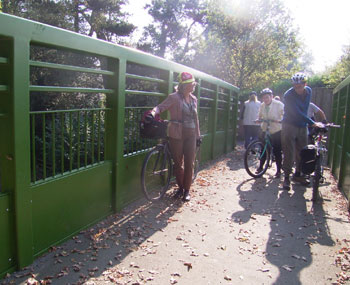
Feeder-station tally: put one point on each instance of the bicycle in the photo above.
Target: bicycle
(259, 153)
(157, 170)
(320, 152)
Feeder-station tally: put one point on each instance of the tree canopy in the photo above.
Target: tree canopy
(249, 43)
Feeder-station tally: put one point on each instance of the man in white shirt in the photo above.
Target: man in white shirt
(249, 116)
(272, 110)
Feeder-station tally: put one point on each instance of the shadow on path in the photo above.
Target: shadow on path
(294, 227)
(103, 246)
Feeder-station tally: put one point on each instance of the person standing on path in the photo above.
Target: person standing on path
(249, 116)
(294, 127)
(183, 131)
(272, 110)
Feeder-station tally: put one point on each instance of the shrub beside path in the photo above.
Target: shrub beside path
(234, 230)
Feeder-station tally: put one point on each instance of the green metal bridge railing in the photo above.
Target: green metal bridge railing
(70, 150)
(339, 142)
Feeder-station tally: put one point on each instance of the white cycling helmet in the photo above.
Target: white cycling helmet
(298, 78)
(266, 91)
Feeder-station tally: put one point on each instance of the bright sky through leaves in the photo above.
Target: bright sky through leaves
(324, 26)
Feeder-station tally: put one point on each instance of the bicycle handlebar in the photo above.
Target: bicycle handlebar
(267, 121)
(328, 125)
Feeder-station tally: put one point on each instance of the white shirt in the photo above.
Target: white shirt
(274, 111)
(251, 110)
(313, 109)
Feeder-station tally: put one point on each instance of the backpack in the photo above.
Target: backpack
(308, 159)
(152, 128)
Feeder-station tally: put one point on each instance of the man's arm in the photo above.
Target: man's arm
(321, 115)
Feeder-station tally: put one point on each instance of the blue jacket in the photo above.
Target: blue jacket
(296, 106)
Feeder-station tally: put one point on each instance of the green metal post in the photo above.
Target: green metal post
(114, 122)
(120, 127)
(235, 114)
(227, 123)
(21, 130)
(344, 129)
(215, 120)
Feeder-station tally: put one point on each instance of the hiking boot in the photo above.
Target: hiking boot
(186, 196)
(259, 170)
(278, 174)
(179, 193)
(301, 179)
(286, 183)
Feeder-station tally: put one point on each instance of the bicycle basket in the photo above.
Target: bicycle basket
(152, 128)
(308, 159)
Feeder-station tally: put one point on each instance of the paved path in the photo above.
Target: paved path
(235, 230)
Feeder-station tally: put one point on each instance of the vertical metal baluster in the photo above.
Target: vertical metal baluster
(99, 137)
(85, 128)
(104, 134)
(33, 149)
(70, 142)
(92, 137)
(62, 142)
(78, 136)
(44, 145)
(127, 124)
(53, 144)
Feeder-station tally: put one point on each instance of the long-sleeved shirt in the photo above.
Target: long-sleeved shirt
(250, 112)
(174, 103)
(296, 107)
(274, 111)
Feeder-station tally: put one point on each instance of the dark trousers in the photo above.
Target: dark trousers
(276, 143)
(293, 140)
(250, 133)
(183, 152)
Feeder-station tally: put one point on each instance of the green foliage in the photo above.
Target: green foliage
(249, 44)
(174, 28)
(339, 71)
(101, 18)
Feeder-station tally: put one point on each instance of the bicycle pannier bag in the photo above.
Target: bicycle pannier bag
(152, 128)
(308, 159)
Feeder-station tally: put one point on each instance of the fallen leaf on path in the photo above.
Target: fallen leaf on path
(189, 265)
(288, 267)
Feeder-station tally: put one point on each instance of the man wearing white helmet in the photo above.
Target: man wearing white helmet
(294, 127)
(272, 110)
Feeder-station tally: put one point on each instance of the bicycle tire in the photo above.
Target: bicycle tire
(252, 157)
(316, 180)
(196, 164)
(156, 173)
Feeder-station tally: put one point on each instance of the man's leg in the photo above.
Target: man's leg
(288, 147)
(301, 142)
(277, 151)
(246, 135)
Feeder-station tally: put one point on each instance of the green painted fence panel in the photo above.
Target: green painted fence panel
(7, 236)
(340, 138)
(64, 166)
(64, 206)
(338, 147)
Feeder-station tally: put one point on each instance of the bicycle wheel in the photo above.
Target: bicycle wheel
(255, 153)
(156, 173)
(316, 180)
(196, 163)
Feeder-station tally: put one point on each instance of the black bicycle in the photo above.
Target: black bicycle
(157, 170)
(258, 155)
(319, 136)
